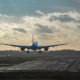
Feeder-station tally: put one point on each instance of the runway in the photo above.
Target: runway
(47, 61)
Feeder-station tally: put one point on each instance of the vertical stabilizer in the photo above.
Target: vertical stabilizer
(32, 38)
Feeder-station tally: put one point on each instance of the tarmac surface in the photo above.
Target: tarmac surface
(45, 61)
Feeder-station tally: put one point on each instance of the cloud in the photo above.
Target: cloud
(40, 12)
(61, 27)
(10, 19)
(64, 18)
(73, 15)
(43, 29)
(19, 30)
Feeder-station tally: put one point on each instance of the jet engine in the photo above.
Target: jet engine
(46, 49)
(22, 49)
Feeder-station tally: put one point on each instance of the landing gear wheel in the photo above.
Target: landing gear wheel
(28, 51)
(39, 51)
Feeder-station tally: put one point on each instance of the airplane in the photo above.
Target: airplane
(34, 46)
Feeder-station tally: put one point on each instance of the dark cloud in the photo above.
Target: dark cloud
(62, 18)
(20, 30)
(44, 29)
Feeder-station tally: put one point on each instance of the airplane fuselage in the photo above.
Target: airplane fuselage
(34, 45)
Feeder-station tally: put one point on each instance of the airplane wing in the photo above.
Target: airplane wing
(52, 45)
(20, 46)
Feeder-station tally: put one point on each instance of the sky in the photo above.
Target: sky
(51, 21)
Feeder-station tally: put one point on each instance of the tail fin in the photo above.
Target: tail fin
(32, 38)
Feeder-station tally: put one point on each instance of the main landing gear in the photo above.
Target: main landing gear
(40, 51)
(28, 51)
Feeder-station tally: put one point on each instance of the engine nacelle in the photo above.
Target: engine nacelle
(22, 49)
(46, 49)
